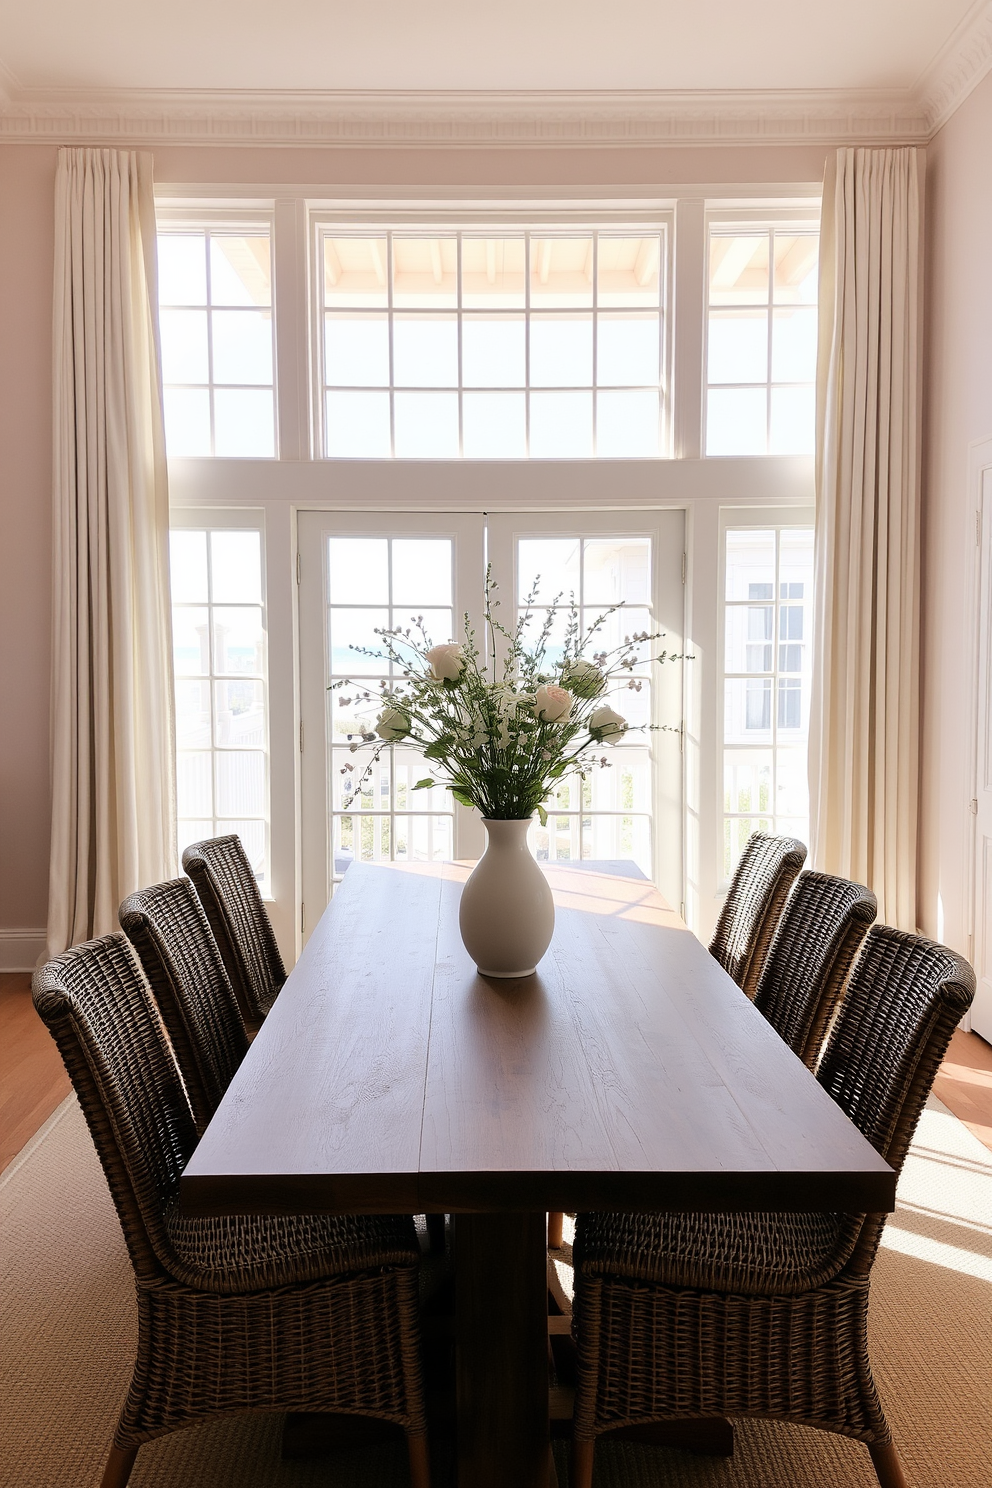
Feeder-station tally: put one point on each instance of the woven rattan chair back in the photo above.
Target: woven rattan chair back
(753, 906)
(98, 1008)
(296, 1313)
(169, 930)
(228, 890)
(905, 999)
(820, 933)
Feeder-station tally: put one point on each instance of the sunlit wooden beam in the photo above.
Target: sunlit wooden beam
(249, 258)
(739, 254)
(544, 260)
(646, 262)
(332, 264)
(797, 261)
(377, 261)
(436, 260)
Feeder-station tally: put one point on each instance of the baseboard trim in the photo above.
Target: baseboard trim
(21, 950)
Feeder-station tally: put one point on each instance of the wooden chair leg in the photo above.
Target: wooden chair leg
(555, 1222)
(888, 1467)
(580, 1474)
(420, 1462)
(118, 1468)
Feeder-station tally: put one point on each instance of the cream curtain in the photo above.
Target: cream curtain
(113, 793)
(864, 724)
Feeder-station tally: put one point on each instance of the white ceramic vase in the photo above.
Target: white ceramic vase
(507, 913)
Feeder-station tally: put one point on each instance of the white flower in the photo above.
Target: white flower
(447, 662)
(392, 723)
(552, 704)
(584, 678)
(607, 726)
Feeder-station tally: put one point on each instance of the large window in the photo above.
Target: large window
(547, 346)
(761, 340)
(517, 365)
(219, 634)
(215, 294)
(767, 661)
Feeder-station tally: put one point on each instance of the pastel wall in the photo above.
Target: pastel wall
(958, 414)
(27, 173)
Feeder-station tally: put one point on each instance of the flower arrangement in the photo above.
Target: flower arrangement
(502, 729)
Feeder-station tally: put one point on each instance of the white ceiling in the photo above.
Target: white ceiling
(289, 45)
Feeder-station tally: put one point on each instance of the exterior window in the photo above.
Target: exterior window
(761, 340)
(511, 347)
(219, 650)
(215, 318)
(767, 660)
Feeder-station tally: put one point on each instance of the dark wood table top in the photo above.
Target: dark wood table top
(629, 1072)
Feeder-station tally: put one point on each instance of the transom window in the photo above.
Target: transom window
(767, 664)
(761, 340)
(509, 347)
(215, 297)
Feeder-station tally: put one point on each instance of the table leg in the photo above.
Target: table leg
(501, 1331)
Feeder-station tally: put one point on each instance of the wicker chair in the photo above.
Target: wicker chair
(227, 889)
(766, 1314)
(753, 906)
(297, 1313)
(168, 929)
(825, 921)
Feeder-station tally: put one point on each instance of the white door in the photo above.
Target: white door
(631, 808)
(981, 1012)
(359, 571)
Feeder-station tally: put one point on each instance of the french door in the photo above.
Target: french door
(360, 572)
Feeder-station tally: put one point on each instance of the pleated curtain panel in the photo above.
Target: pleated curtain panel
(113, 769)
(864, 722)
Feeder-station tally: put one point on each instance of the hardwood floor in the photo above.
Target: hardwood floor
(965, 1083)
(33, 1080)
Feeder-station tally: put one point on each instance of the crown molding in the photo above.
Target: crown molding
(959, 67)
(464, 120)
(518, 120)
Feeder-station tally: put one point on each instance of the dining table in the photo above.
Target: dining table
(629, 1072)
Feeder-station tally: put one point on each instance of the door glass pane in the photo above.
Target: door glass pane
(377, 816)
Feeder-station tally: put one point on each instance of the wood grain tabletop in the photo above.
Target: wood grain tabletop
(628, 1072)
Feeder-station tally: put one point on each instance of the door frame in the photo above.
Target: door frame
(668, 578)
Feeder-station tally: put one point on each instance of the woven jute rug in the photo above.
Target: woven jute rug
(69, 1325)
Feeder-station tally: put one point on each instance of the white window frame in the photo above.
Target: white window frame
(501, 224)
(778, 519)
(740, 219)
(298, 480)
(199, 519)
(232, 220)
